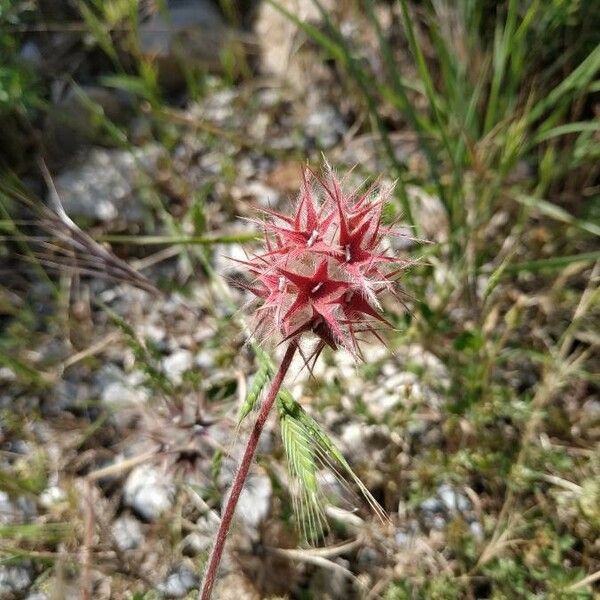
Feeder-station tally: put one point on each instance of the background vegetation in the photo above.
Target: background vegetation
(482, 446)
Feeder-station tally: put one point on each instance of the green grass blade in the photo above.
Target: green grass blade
(403, 102)
(553, 263)
(552, 211)
(157, 240)
(425, 76)
(575, 83)
(566, 129)
(502, 51)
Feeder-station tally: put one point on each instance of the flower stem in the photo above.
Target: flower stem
(242, 473)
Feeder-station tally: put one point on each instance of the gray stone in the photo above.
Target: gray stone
(430, 213)
(255, 500)
(432, 505)
(449, 503)
(27, 508)
(438, 522)
(190, 33)
(404, 539)
(37, 596)
(205, 359)
(476, 530)
(452, 499)
(330, 485)
(7, 509)
(195, 543)
(176, 364)
(219, 107)
(178, 582)
(256, 192)
(51, 496)
(279, 48)
(119, 393)
(392, 391)
(7, 375)
(30, 53)
(591, 409)
(353, 437)
(202, 539)
(434, 369)
(69, 395)
(15, 579)
(127, 532)
(325, 126)
(102, 185)
(149, 492)
(118, 389)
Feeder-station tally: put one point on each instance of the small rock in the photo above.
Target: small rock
(153, 332)
(30, 53)
(178, 582)
(438, 510)
(202, 539)
(52, 496)
(430, 213)
(7, 375)
(149, 492)
(37, 596)
(191, 33)
(393, 391)
(591, 409)
(354, 438)
(118, 394)
(330, 485)
(333, 583)
(69, 395)
(225, 258)
(7, 509)
(476, 530)
(404, 539)
(432, 366)
(255, 500)
(325, 126)
(257, 193)
(176, 364)
(452, 499)
(15, 579)
(205, 359)
(101, 186)
(438, 523)
(118, 389)
(127, 533)
(432, 505)
(195, 543)
(433, 513)
(277, 36)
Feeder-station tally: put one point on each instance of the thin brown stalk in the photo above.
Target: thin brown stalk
(242, 473)
(87, 542)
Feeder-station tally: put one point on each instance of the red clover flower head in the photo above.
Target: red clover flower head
(323, 268)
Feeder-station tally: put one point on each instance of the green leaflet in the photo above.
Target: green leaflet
(307, 445)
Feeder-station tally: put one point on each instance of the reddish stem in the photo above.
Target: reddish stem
(241, 475)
